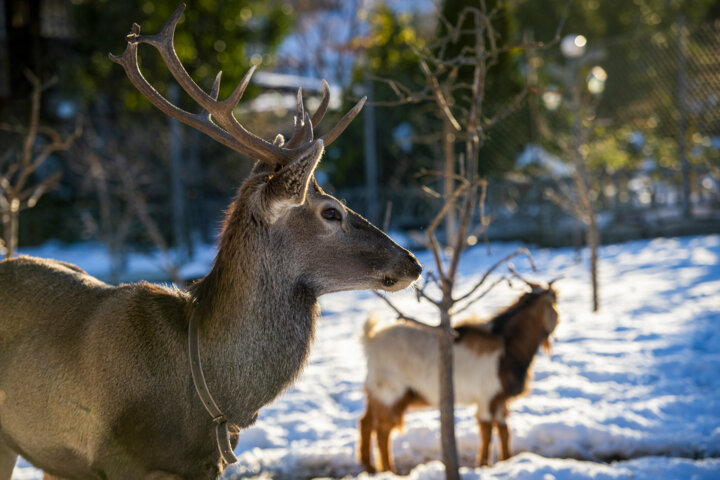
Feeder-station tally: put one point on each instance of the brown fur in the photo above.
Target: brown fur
(94, 379)
(522, 335)
(382, 420)
(518, 331)
(477, 337)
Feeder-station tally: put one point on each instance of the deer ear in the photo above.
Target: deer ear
(264, 168)
(287, 188)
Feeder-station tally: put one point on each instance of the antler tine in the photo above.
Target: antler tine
(266, 151)
(217, 119)
(322, 108)
(301, 125)
(229, 104)
(128, 60)
(215, 91)
(300, 106)
(309, 133)
(335, 132)
(221, 112)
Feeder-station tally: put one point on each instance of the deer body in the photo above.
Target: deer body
(95, 380)
(491, 365)
(106, 411)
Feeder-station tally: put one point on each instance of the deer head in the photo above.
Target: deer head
(280, 211)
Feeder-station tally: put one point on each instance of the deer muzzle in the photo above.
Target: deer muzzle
(404, 273)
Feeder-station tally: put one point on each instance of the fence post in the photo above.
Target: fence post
(682, 116)
(177, 187)
(371, 169)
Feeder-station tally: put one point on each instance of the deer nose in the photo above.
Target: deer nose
(418, 267)
(415, 269)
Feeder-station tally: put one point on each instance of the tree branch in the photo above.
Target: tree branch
(481, 295)
(520, 251)
(401, 316)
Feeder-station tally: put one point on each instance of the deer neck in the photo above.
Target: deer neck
(256, 328)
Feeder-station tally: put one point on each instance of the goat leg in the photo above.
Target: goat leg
(504, 435)
(383, 441)
(485, 442)
(366, 430)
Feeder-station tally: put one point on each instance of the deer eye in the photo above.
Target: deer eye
(331, 214)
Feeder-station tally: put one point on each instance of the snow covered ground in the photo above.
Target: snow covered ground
(629, 393)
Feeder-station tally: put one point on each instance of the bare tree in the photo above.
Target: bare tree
(18, 189)
(578, 198)
(114, 218)
(466, 119)
(118, 186)
(136, 201)
(322, 39)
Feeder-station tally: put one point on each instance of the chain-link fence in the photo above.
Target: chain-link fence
(653, 156)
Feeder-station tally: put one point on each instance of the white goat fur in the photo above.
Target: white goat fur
(402, 357)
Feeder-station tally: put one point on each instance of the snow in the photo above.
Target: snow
(629, 392)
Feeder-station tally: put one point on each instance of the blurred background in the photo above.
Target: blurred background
(631, 87)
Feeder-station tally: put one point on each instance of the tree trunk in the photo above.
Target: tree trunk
(448, 142)
(371, 166)
(593, 240)
(582, 186)
(24, 43)
(177, 187)
(10, 229)
(447, 398)
(682, 118)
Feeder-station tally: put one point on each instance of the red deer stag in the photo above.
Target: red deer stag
(95, 380)
(491, 365)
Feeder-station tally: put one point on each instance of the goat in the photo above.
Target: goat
(95, 380)
(491, 365)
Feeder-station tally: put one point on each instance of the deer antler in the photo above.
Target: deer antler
(217, 119)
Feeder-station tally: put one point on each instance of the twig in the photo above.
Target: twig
(138, 204)
(402, 316)
(439, 97)
(566, 203)
(420, 293)
(388, 215)
(436, 173)
(509, 109)
(519, 251)
(430, 232)
(481, 295)
(515, 274)
(466, 218)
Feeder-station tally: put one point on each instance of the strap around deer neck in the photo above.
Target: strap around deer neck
(221, 424)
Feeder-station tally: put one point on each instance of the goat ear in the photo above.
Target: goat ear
(288, 186)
